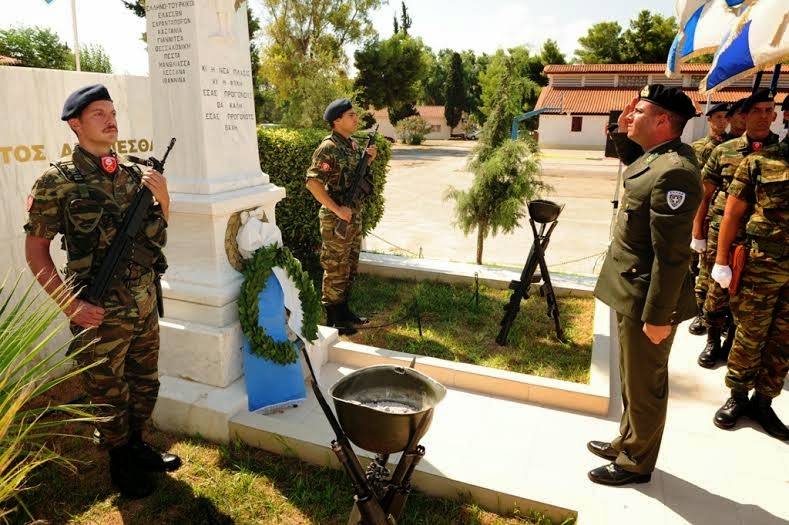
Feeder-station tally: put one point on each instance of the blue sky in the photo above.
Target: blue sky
(480, 25)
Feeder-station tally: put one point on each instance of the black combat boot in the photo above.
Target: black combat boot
(352, 317)
(130, 479)
(149, 458)
(762, 412)
(712, 351)
(737, 405)
(726, 346)
(335, 317)
(697, 326)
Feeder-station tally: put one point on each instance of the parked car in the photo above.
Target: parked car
(473, 135)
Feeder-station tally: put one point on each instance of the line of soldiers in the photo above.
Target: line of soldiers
(745, 203)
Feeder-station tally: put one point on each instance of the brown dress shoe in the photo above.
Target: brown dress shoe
(615, 476)
(602, 449)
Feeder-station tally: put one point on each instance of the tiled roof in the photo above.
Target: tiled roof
(427, 112)
(552, 69)
(8, 61)
(600, 101)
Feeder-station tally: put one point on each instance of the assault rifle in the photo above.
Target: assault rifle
(543, 212)
(361, 185)
(122, 246)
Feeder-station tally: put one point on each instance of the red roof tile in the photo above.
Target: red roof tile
(600, 101)
(435, 112)
(8, 61)
(621, 68)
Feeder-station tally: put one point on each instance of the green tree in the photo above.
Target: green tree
(36, 47)
(524, 92)
(304, 61)
(434, 84)
(601, 45)
(473, 67)
(648, 39)
(405, 19)
(506, 172)
(455, 92)
(92, 57)
(390, 73)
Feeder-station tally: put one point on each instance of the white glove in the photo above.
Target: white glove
(721, 274)
(698, 245)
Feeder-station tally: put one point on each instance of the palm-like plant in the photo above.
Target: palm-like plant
(28, 322)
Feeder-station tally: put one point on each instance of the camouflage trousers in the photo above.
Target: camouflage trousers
(705, 265)
(128, 381)
(339, 257)
(759, 357)
(716, 302)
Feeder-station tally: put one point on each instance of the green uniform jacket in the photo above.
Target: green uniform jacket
(645, 274)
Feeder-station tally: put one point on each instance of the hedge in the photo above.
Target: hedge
(285, 154)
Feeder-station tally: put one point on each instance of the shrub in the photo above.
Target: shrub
(285, 155)
(27, 373)
(412, 130)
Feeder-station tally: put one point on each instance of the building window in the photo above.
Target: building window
(633, 80)
(435, 128)
(577, 123)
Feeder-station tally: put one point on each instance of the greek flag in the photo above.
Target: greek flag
(703, 25)
(758, 40)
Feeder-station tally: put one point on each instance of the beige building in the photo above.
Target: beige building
(587, 93)
(434, 115)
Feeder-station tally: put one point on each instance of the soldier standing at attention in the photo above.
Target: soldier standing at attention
(84, 197)
(717, 174)
(718, 121)
(645, 277)
(328, 177)
(759, 358)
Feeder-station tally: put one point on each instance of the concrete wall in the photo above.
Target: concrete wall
(32, 136)
(555, 131)
(387, 130)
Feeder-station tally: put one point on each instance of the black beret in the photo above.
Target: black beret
(723, 106)
(735, 107)
(763, 95)
(785, 103)
(669, 98)
(80, 99)
(336, 108)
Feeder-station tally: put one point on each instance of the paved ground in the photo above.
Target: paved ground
(417, 219)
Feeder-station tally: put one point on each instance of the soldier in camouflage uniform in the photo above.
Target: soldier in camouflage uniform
(759, 358)
(717, 174)
(329, 175)
(718, 121)
(84, 196)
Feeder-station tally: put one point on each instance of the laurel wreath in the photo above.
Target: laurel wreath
(256, 273)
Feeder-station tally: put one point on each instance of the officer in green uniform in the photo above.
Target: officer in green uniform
(84, 197)
(717, 174)
(717, 121)
(329, 175)
(645, 277)
(759, 358)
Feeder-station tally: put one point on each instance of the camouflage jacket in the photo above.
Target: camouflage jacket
(89, 212)
(334, 163)
(704, 146)
(721, 165)
(762, 180)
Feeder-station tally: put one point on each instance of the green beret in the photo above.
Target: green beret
(763, 95)
(723, 106)
(669, 98)
(735, 107)
(336, 108)
(81, 98)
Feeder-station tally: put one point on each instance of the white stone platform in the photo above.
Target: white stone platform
(506, 452)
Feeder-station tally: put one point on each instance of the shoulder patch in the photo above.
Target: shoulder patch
(675, 198)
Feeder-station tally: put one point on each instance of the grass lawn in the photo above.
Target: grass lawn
(456, 328)
(218, 485)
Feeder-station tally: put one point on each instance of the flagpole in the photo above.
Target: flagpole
(76, 37)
